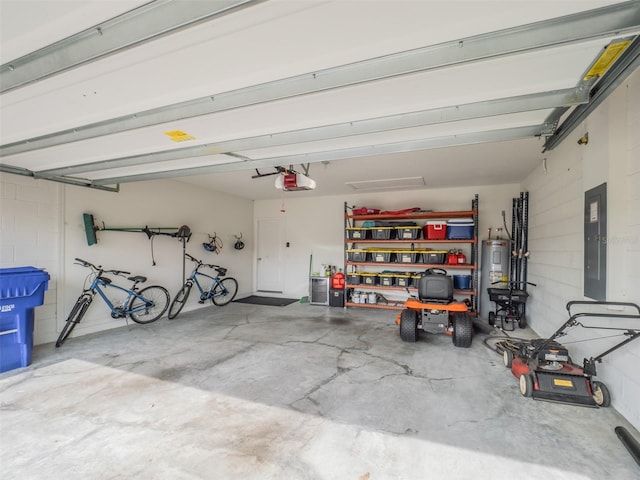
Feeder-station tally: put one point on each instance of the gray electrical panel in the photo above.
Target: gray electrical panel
(595, 243)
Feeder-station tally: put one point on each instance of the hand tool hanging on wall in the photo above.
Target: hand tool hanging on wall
(183, 233)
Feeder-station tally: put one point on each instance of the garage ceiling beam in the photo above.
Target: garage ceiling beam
(489, 108)
(628, 62)
(342, 154)
(67, 180)
(142, 24)
(605, 22)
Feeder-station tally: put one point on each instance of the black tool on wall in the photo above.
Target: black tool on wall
(91, 229)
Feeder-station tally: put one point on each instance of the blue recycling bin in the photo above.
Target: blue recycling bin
(21, 290)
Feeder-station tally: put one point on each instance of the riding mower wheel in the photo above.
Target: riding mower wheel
(462, 330)
(409, 325)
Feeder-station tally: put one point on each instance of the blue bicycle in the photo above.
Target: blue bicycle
(142, 306)
(220, 292)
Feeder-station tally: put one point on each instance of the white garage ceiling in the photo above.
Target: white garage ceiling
(366, 94)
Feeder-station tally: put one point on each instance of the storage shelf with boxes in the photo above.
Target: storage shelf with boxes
(386, 254)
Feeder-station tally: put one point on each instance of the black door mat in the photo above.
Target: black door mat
(272, 301)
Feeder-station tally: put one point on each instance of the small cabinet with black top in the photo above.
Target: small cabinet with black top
(385, 254)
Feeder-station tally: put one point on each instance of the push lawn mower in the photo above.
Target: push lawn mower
(545, 369)
(435, 311)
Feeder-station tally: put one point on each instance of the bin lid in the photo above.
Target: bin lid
(21, 281)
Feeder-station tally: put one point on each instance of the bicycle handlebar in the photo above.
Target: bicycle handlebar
(99, 268)
(84, 263)
(200, 262)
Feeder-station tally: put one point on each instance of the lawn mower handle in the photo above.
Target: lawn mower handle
(616, 304)
(631, 333)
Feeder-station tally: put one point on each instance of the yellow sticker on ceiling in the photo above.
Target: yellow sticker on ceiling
(610, 55)
(179, 136)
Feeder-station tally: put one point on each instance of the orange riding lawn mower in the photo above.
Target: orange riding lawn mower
(435, 311)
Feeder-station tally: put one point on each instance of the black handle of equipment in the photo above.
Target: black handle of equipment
(614, 304)
(435, 271)
(630, 443)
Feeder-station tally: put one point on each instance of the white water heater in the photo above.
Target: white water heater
(495, 258)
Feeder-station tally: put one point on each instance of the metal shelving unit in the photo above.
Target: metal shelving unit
(472, 258)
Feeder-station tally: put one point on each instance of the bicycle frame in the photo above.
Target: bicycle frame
(193, 278)
(98, 285)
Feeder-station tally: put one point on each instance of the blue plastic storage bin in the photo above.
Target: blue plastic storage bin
(461, 229)
(21, 290)
(462, 282)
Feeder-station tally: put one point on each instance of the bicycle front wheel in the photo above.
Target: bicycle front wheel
(149, 304)
(179, 300)
(77, 312)
(225, 291)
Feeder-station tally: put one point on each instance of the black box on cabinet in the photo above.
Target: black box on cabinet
(336, 297)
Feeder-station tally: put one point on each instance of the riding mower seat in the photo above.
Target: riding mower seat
(436, 311)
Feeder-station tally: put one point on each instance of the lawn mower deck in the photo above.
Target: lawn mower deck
(551, 376)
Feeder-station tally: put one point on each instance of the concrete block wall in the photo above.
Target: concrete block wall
(42, 226)
(556, 209)
(30, 221)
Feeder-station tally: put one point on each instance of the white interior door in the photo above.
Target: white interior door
(270, 265)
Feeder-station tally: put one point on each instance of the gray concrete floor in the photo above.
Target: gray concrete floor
(296, 392)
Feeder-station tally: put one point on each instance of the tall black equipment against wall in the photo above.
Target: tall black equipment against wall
(520, 241)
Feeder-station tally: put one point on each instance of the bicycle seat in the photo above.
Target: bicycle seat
(137, 279)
